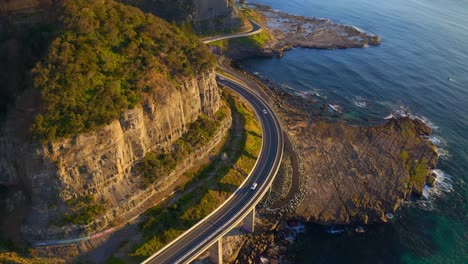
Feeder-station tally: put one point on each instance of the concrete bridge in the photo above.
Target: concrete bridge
(207, 234)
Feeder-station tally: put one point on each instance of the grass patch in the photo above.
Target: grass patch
(418, 172)
(252, 14)
(13, 257)
(84, 210)
(417, 169)
(258, 40)
(114, 260)
(166, 223)
(223, 44)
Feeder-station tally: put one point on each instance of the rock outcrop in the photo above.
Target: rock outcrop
(320, 33)
(358, 174)
(354, 174)
(282, 32)
(100, 163)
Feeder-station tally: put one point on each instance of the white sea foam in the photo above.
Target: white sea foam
(442, 153)
(426, 121)
(360, 102)
(435, 140)
(358, 29)
(424, 204)
(426, 191)
(335, 107)
(334, 230)
(403, 111)
(301, 94)
(317, 93)
(443, 184)
(439, 142)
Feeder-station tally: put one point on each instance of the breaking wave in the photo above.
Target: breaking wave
(443, 185)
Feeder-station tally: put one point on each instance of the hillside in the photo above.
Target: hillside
(170, 10)
(26, 29)
(112, 84)
(107, 56)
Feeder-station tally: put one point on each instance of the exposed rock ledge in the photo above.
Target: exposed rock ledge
(350, 174)
(355, 174)
(101, 163)
(299, 31)
(290, 31)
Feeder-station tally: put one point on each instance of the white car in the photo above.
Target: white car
(265, 111)
(253, 186)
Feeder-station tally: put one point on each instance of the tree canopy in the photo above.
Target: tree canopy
(107, 55)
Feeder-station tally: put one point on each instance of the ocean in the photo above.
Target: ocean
(421, 66)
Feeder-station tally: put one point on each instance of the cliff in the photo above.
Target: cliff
(26, 28)
(89, 111)
(100, 163)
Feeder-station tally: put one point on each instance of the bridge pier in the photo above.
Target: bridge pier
(216, 251)
(249, 221)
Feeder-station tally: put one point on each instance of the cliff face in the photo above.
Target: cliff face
(26, 13)
(100, 163)
(26, 28)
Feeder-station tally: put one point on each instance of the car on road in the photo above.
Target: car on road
(253, 186)
(265, 111)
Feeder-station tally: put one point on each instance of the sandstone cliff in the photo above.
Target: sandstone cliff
(99, 163)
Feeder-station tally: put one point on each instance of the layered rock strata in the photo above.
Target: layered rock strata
(101, 163)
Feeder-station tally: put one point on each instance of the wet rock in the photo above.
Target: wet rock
(431, 179)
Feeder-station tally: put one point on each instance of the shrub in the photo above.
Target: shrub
(100, 63)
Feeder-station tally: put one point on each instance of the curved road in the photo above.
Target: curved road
(255, 30)
(200, 237)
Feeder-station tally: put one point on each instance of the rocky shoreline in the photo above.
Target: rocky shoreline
(318, 33)
(350, 175)
(286, 31)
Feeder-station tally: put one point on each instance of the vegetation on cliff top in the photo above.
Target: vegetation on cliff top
(257, 41)
(107, 55)
(171, 10)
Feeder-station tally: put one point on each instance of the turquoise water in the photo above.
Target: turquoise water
(422, 65)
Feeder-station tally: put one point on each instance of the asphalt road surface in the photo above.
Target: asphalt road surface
(193, 242)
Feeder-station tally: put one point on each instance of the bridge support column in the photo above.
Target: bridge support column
(216, 251)
(249, 222)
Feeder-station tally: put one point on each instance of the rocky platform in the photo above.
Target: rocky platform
(354, 174)
(320, 33)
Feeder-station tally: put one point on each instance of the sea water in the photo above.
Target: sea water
(422, 67)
